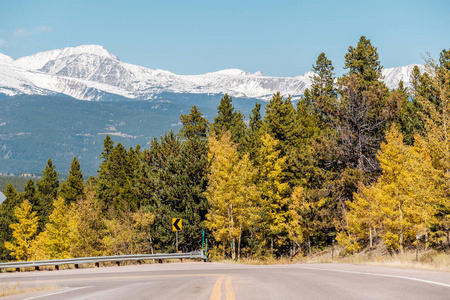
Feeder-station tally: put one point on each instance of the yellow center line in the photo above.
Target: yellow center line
(229, 288)
(217, 291)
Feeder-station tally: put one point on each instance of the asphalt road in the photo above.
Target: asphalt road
(185, 281)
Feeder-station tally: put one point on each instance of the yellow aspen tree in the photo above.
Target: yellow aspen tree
(57, 237)
(396, 201)
(22, 246)
(436, 116)
(86, 226)
(274, 192)
(401, 203)
(231, 193)
(364, 218)
(427, 190)
(295, 224)
(141, 223)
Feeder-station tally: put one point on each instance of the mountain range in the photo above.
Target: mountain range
(91, 73)
(41, 115)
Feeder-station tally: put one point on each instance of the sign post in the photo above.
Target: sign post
(203, 238)
(177, 226)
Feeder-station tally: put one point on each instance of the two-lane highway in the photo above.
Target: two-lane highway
(216, 281)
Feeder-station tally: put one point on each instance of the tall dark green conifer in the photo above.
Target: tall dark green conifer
(7, 218)
(322, 96)
(228, 119)
(363, 61)
(47, 188)
(73, 188)
(254, 132)
(117, 178)
(194, 124)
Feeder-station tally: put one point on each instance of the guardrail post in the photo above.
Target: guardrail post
(56, 267)
(97, 265)
(36, 268)
(76, 266)
(17, 269)
(118, 263)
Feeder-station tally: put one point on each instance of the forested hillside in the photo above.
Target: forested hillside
(352, 161)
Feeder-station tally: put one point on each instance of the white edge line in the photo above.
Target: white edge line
(56, 293)
(381, 275)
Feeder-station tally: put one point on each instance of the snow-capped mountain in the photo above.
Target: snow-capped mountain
(90, 72)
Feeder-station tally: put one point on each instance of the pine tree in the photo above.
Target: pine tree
(194, 124)
(254, 132)
(22, 245)
(363, 61)
(322, 95)
(117, 178)
(228, 119)
(108, 146)
(73, 188)
(30, 194)
(7, 217)
(47, 188)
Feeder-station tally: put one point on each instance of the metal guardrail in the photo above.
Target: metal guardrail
(98, 259)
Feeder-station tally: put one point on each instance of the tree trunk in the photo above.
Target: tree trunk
(309, 246)
(239, 246)
(401, 229)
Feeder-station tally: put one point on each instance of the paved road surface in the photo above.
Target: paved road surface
(185, 281)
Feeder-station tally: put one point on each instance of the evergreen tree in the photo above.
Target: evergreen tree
(194, 124)
(47, 188)
(117, 178)
(177, 173)
(108, 146)
(73, 188)
(7, 218)
(322, 95)
(228, 119)
(254, 132)
(362, 60)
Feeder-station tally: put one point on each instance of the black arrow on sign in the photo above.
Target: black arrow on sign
(175, 224)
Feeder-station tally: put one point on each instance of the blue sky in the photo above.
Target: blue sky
(279, 38)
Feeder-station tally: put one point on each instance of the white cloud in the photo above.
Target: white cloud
(26, 33)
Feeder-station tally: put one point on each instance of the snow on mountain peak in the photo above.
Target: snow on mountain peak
(90, 72)
(6, 58)
(38, 60)
(230, 72)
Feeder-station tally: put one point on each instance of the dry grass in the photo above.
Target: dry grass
(8, 289)
(427, 259)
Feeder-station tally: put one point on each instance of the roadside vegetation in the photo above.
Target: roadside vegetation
(9, 289)
(351, 164)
